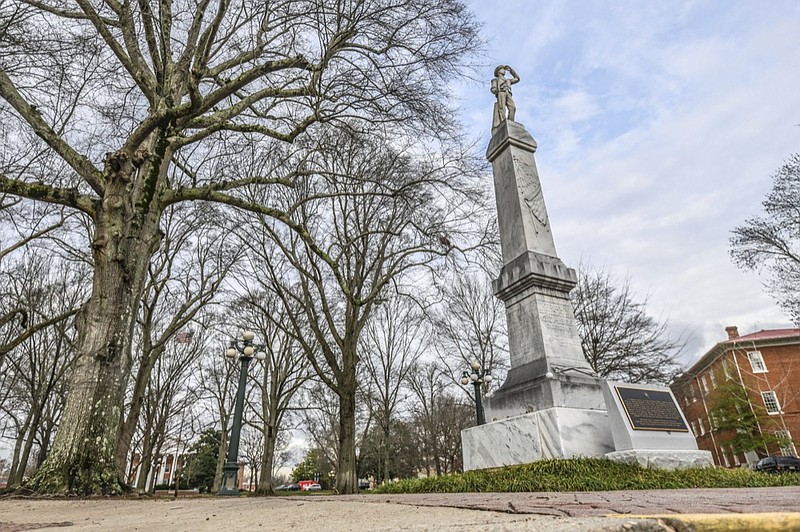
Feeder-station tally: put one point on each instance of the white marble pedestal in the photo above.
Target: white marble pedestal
(658, 449)
(555, 432)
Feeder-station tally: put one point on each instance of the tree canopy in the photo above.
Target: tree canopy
(770, 243)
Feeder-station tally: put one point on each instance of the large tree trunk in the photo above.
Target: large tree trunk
(346, 478)
(221, 456)
(267, 460)
(126, 235)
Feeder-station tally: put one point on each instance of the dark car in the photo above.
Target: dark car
(293, 487)
(776, 464)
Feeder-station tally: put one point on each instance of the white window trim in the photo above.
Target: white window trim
(704, 384)
(724, 456)
(757, 363)
(771, 397)
(726, 370)
(788, 450)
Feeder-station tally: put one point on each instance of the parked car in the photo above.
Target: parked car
(292, 487)
(313, 487)
(777, 464)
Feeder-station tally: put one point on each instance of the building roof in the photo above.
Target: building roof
(762, 337)
(766, 334)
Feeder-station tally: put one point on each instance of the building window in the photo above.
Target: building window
(701, 425)
(694, 428)
(724, 456)
(713, 379)
(692, 392)
(713, 421)
(736, 461)
(704, 384)
(726, 369)
(771, 402)
(787, 445)
(757, 362)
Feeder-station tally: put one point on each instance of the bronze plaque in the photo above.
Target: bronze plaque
(651, 409)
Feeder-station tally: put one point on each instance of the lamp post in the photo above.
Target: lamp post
(476, 376)
(230, 472)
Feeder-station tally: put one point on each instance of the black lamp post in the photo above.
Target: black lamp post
(477, 376)
(230, 473)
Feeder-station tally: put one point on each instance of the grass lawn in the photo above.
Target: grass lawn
(587, 474)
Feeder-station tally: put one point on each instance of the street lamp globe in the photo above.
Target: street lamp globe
(464, 380)
(249, 350)
(248, 336)
(230, 352)
(474, 364)
(487, 377)
(261, 355)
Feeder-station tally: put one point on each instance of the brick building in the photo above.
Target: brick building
(753, 380)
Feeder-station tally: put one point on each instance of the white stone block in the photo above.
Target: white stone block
(663, 459)
(541, 435)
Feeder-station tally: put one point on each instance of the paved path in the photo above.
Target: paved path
(602, 503)
(748, 509)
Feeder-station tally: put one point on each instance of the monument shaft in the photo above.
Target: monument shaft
(552, 404)
(534, 285)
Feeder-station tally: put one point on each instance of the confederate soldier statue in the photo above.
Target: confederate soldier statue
(501, 87)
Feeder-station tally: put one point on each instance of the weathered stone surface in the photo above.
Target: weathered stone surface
(664, 458)
(551, 404)
(539, 435)
(534, 284)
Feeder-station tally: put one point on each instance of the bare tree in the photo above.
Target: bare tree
(24, 228)
(469, 324)
(393, 341)
(168, 394)
(438, 417)
(136, 106)
(620, 340)
(771, 243)
(183, 278)
(219, 377)
(371, 214)
(36, 369)
(282, 374)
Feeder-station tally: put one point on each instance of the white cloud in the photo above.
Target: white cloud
(659, 126)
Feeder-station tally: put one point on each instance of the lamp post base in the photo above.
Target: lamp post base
(230, 478)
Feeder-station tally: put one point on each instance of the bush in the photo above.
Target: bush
(586, 474)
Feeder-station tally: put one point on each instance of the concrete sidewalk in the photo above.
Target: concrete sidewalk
(744, 509)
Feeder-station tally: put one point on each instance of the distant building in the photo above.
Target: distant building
(753, 379)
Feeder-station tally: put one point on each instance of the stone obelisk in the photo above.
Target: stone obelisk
(551, 404)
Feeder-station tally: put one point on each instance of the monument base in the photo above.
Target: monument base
(555, 432)
(663, 459)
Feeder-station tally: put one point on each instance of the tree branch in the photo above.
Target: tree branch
(68, 197)
(79, 163)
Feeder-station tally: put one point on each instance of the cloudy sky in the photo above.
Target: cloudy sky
(659, 126)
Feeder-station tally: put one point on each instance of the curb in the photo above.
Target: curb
(767, 522)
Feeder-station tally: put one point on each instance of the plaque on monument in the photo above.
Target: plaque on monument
(649, 409)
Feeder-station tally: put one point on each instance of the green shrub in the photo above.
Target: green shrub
(587, 474)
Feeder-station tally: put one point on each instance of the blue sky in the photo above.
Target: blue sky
(659, 127)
